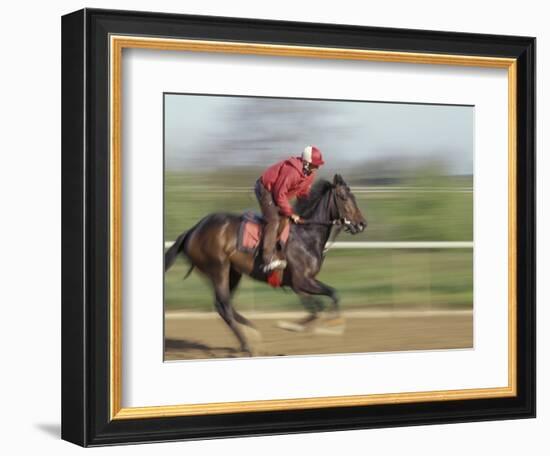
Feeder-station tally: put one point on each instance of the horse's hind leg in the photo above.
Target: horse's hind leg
(224, 307)
(234, 280)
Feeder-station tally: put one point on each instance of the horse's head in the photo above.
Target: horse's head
(348, 211)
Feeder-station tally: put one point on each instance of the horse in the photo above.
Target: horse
(211, 247)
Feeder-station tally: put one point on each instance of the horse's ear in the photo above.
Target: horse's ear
(337, 180)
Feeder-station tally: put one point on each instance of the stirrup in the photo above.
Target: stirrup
(274, 264)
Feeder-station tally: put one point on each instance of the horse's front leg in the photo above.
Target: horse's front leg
(335, 299)
(313, 306)
(335, 323)
(317, 288)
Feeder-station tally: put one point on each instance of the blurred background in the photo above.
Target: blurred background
(410, 167)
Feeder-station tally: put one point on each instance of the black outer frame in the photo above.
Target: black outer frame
(85, 227)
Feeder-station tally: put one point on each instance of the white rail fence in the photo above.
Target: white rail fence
(390, 245)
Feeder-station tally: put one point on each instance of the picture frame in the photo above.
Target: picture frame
(92, 366)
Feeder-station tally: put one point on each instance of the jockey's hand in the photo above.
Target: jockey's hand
(296, 218)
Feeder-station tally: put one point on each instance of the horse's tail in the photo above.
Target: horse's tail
(172, 253)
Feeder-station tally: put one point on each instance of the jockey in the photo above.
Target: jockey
(280, 182)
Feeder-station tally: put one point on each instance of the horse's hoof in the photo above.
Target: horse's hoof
(332, 327)
(335, 331)
(290, 326)
(253, 334)
(305, 324)
(334, 321)
(250, 352)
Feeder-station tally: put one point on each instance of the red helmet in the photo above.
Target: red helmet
(312, 154)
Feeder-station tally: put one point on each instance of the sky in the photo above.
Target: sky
(207, 131)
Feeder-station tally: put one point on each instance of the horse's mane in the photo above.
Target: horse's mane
(305, 207)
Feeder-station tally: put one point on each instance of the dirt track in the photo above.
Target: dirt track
(192, 337)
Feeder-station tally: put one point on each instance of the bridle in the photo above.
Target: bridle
(336, 224)
(337, 221)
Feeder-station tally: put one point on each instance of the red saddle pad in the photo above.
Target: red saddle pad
(251, 233)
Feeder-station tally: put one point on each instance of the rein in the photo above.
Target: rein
(313, 222)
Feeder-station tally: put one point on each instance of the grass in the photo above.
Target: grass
(382, 279)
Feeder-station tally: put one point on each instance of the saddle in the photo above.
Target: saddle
(251, 231)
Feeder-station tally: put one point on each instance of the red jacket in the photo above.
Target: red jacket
(285, 180)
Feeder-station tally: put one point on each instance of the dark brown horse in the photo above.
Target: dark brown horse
(211, 247)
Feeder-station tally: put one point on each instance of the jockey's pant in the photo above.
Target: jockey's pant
(270, 212)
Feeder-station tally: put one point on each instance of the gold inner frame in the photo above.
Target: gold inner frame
(117, 44)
